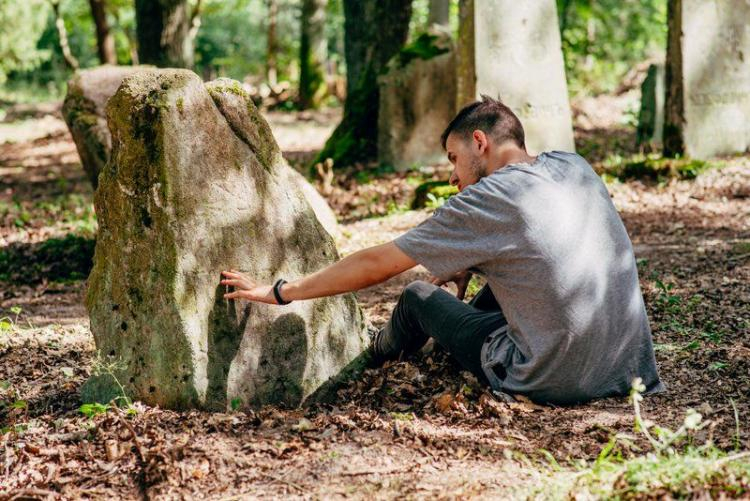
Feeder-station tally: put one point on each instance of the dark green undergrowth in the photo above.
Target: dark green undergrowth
(655, 167)
(55, 260)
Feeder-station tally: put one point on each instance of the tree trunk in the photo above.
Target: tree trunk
(313, 52)
(271, 44)
(466, 72)
(162, 28)
(674, 108)
(375, 30)
(70, 60)
(105, 42)
(439, 12)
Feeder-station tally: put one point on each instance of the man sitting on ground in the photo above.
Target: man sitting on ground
(561, 319)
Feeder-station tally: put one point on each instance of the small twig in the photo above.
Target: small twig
(379, 472)
(738, 257)
(283, 481)
(129, 426)
(733, 457)
(32, 492)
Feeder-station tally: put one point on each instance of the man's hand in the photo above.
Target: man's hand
(247, 289)
(461, 279)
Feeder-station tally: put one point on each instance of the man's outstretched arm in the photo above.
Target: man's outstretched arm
(359, 270)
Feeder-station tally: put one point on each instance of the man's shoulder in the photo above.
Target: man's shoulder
(565, 156)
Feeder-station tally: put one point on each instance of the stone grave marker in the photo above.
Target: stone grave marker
(196, 184)
(511, 50)
(651, 117)
(707, 78)
(417, 101)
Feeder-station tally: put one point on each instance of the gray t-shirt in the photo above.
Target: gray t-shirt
(558, 259)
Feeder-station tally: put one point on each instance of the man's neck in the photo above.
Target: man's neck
(505, 155)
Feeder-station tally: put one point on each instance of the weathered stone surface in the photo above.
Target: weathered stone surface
(197, 184)
(707, 78)
(84, 112)
(417, 101)
(514, 53)
(651, 117)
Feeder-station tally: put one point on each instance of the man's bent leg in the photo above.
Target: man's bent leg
(425, 310)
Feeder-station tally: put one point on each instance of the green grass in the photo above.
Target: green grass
(30, 92)
(72, 210)
(695, 471)
(673, 467)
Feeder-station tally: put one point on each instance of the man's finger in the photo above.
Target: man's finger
(233, 295)
(236, 282)
(461, 290)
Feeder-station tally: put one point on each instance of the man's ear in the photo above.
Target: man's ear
(480, 140)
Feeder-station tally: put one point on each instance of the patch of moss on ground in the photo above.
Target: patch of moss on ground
(656, 167)
(432, 194)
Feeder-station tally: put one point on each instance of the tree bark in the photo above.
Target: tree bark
(439, 12)
(466, 72)
(70, 60)
(105, 42)
(313, 52)
(162, 28)
(271, 43)
(375, 30)
(674, 107)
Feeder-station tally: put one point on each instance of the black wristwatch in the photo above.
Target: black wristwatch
(277, 291)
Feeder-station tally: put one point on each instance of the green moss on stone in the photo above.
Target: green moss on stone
(423, 47)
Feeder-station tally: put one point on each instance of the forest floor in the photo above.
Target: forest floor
(414, 429)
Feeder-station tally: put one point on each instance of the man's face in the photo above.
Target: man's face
(465, 153)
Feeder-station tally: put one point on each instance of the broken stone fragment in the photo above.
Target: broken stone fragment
(84, 112)
(196, 184)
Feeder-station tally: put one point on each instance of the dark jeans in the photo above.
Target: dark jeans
(425, 310)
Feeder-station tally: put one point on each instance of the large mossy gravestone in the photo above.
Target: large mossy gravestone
(707, 78)
(84, 110)
(511, 49)
(196, 184)
(417, 101)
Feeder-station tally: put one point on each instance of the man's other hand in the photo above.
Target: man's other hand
(246, 288)
(461, 279)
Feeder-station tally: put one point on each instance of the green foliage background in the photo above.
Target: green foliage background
(603, 40)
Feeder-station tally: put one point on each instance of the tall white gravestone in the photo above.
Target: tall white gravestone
(512, 50)
(708, 78)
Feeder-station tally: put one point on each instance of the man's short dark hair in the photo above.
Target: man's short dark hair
(490, 116)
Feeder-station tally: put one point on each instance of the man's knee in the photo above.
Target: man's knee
(418, 291)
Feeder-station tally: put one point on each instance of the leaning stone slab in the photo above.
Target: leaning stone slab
(197, 184)
(417, 101)
(707, 78)
(84, 112)
(511, 49)
(651, 117)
